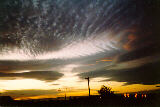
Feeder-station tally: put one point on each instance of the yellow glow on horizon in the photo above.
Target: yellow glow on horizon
(106, 60)
(134, 88)
(68, 94)
(74, 87)
(75, 93)
(36, 97)
(84, 92)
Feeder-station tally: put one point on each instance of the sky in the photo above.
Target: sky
(49, 47)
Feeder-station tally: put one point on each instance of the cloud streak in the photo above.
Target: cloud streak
(47, 33)
(47, 76)
(147, 74)
(26, 94)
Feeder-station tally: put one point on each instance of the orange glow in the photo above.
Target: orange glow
(142, 95)
(35, 97)
(59, 89)
(106, 60)
(128, 45)
(135, 95)
(131, 37)
(127, 95)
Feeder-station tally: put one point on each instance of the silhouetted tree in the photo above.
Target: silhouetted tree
(105, 91)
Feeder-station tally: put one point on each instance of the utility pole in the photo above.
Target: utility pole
(65, 94)
(88, 85)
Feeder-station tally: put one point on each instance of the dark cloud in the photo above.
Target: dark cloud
(29, 93)
(47, 76)
(55, 84)
(147, 74)
(32, 65)
(147, 50)
(14, 66)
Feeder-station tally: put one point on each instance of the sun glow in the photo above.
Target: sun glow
(23, 84)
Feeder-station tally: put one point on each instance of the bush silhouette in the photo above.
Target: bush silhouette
(105, 91)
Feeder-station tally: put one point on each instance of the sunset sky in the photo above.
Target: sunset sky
(49, 47)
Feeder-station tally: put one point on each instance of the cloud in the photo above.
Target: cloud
(65, 29)
(140, 52)
(47, 76)
(29, 93)
(55, 84)
(131, 64)
(31, 65)
(146, 74)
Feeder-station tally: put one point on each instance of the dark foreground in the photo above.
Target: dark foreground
(93, 101)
